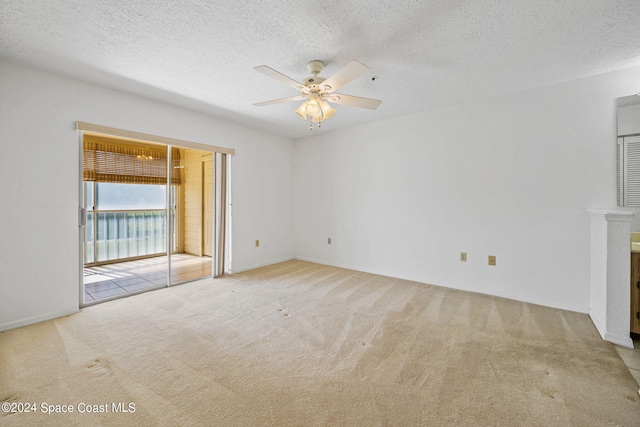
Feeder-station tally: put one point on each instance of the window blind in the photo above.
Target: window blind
(126, 162)
(632, 171)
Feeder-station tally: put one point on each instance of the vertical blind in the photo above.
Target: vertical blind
(126, 162)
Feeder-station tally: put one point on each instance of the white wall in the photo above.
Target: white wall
(511, 176)
(39, 171)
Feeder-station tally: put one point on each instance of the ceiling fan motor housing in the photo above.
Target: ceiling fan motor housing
(313, 82)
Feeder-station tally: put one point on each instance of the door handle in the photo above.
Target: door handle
(82, 220)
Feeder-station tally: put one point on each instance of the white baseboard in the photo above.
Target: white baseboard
(597, 323)
(621, 340)
(545, 303)
(240, 270)
(36, 319)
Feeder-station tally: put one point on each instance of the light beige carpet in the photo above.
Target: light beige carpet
(302, 344)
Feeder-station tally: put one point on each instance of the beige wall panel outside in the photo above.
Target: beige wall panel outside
(180, 206)
(193, 202)
(207, 205)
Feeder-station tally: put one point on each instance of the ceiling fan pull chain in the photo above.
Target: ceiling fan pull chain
(310, 124)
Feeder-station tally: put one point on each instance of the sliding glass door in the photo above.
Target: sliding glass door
(145, 210)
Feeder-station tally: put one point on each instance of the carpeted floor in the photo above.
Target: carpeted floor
(302, 344)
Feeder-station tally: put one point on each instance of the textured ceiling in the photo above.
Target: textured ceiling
(200, 54)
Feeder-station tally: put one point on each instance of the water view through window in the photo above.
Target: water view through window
(130, 196)
(124, 221)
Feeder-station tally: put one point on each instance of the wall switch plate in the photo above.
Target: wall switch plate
(492, 260)
(329, 241)
(463, 256)
(257, 243)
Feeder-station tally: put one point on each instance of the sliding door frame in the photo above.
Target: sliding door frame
(222, 153)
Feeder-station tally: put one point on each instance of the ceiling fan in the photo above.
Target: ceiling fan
(316, 91)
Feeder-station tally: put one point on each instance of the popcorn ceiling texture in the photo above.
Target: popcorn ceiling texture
(302, 344)
(426, 54)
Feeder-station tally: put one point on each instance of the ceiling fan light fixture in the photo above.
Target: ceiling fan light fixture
(326, 112)
(313, 108)
(300, 111)
(316, 108)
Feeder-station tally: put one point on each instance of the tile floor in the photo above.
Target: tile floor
(107, 281)
(631, 358)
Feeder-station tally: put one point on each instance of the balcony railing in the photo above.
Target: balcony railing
(114, 235)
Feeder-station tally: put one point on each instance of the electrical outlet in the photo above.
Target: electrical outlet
(257, 243)
(463, 256)
(329, 241)
(492, 260)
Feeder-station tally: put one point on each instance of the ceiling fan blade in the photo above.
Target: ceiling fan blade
(354, 101)
(281, 100)
(349, 72)
(268, 71)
